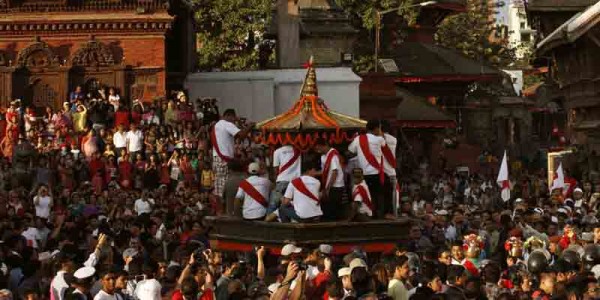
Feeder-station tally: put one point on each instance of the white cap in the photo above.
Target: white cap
(253, 168)
(518, 200)
(85, 272)
(539, 211)
(344, 272)
(288, 249)
(562, 210)
(577, 190)
(325, 249)
(441, 212)
(554, 219)
(357, 262)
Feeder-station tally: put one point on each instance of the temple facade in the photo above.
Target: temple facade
(48, 47)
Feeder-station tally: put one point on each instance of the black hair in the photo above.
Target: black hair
(373, 124)
(229, 112)
(454, 273)
(361, 281)
(397, 262)
(491, 273)
(310, 164)
(385, 125)
(235, 165)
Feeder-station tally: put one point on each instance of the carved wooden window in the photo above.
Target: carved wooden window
(43, 94)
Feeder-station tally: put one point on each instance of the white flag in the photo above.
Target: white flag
(503, 179)
(559, 179)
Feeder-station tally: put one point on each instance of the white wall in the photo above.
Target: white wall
(259, 95)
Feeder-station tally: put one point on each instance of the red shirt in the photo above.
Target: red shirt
(208, 294)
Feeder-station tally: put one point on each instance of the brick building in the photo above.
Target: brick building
(48, 47)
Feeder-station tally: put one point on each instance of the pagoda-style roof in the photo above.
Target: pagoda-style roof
(308, 119)
(417, 112)
(558, 5)
(572, 29)
(142, 6)
(422, 62)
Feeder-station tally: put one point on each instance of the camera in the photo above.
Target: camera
(301, 265)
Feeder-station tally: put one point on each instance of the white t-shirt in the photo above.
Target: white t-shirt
(42, 208)
(102, 295)
(334, 165)
(391, 142)
(143, 206)
(363, 208)
(252, 209)
(135, 140)
(148, 289)
(281, 156)
(304, 206)
(120, 140)
(114, 100)
(225, 132)
(32, 236)
(375, 144)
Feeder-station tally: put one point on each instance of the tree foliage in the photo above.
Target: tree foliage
(363, 16)
(230, 33)
(474, 33)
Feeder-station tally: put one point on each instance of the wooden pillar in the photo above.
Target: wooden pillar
(5, 85)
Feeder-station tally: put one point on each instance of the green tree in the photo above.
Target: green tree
(230, 34)
(363, 16)
(475, 34)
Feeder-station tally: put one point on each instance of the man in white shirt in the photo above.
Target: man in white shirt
(367, 148)
(144, 205)
(119, 140)
(389, 167)
(301, 201)
(287, 162)
(222, 138)
(108, 279)
(252, 197)
(332, 181)
(135, 140)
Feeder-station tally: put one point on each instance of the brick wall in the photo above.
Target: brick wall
(138, 51)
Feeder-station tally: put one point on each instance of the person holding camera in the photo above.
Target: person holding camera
(43, 203)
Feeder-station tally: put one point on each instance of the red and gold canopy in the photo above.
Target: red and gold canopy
(308, 120)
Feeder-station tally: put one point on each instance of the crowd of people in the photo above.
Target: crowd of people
(118, 193)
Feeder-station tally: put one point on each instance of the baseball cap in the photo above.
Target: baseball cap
(289, 249)
(253, 168)
(357, 263)
(344, 272)
(325, 249)
(577, 190)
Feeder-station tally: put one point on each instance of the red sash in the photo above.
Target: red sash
(389, 156)
(290, 162)
(301, 187)
(333, 153)
(213, 141)
(360, 190)
(371, 159)
(251, 191)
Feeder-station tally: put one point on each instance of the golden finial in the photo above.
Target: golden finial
(309, 88)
